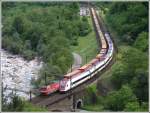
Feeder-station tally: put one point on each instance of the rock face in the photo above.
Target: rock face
(17, 73)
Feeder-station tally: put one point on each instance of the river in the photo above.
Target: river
(17, 73)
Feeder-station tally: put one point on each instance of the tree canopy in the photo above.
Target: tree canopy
(46, 30)
(127, 23)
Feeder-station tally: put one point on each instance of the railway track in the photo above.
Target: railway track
(55, 97)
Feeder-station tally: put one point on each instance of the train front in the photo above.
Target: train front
(64, 85)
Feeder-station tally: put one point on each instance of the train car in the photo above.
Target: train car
(98, 56)
(68, 83)
(64, 84)
(88, 71)
(94, 61)
(71, 74)
(110, 43)
(103, 41)
(108, 37)
(104, 44)
(49, 89)
(101, 55)
(85, 67)
(103, 51)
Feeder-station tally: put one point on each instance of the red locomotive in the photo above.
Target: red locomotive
(49, 89)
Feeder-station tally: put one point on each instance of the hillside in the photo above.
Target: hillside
(126, 82)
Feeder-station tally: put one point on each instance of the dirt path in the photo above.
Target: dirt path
(77, 61)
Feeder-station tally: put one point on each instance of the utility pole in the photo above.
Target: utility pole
(74, 102)
(2, 94)
(45, 79)
(70, 82)
(30, 95)
(86, 59)
(15, 89)
(71, 67)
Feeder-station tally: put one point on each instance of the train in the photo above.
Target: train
(87, 71)
(49, 89)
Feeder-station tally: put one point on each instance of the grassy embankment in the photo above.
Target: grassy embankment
(28, 107)
(87, 45)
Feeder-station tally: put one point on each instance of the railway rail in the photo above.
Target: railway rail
(55, 97)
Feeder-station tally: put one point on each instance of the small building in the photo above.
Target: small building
(84, 11)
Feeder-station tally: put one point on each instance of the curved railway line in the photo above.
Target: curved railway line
(55, 97)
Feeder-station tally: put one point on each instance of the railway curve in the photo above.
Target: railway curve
(55, 97)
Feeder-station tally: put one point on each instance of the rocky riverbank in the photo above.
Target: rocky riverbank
(17, 73)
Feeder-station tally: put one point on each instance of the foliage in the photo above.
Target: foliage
(132, 58)
(17, 104)
(46, 30)
(132, 106)
(116, 100)
(30, 107)
(142, 42)
(119, 75)
(128, 19)
(91, 96)
(94, 108)
(133, 69)
(129, 76)
(140, 85)
(135, 106)
(132, 61)
(84, 27)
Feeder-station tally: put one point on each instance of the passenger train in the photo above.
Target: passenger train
(87, 71)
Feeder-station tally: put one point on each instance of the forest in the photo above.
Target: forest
(43, 30)
(128, 25)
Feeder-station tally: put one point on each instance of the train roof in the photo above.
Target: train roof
(99, 55)
(85, 67)
(103, 43)
(50, 86)
(75, 72)
(94, 61)
(103, 50)
(102, 58)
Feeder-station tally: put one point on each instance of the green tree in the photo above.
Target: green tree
(128, 19)
(28, 54)
(135, 106)
(120, 75)
(132, 106)
(135, 59)
(116, 100)
(140, 85)
(18, 24)
(34, 34)
(16, 104)
(91, 95)
(142, 41)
